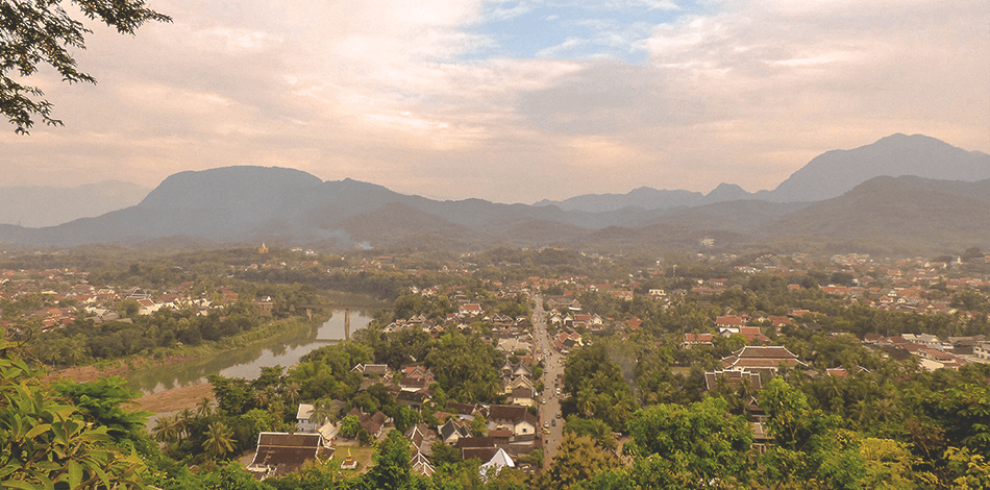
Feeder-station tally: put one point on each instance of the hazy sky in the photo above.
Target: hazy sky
(512, 101)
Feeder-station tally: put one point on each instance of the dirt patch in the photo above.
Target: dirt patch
(86, 374)
(177, 399)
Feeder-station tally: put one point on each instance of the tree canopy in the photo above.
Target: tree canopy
(42, 32)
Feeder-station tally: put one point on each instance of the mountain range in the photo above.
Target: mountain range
(828, 175)
(882, 212)
(39, 206)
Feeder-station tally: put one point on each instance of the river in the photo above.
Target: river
(246, 362)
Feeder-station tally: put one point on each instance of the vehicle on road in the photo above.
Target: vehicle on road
(546, 425)
(553, 422)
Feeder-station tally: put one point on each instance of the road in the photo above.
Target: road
(549, 400)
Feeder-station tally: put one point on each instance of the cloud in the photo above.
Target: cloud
(394, 92)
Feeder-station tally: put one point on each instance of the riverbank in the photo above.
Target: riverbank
(161, 359)
(175, 399)
(119, 367)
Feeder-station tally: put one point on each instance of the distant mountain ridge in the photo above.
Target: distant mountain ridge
(250, 205)
(838, 171)
(828, 175)
(39, 206)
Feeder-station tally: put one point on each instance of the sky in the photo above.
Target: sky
(511, 101)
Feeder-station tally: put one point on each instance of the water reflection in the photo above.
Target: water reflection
(246, 362)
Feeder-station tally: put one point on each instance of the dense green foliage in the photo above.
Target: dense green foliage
(46, 441)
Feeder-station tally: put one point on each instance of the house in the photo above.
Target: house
(422, 438)
(522, 381)
(452, 431)
(753, 335)
(467, 409)
(732, 378)
(729, 321)
(303, 418)
(523, 397)
(982, 350)
(512, 417)
(373, 424)
(693, 339)
(280, 453)
(633, 323)
(420, 465)
(938, 359)
(469, 309)
(500, 460)
(761, 359)
(379, 371)
(413, 399)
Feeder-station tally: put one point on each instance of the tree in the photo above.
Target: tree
(701, 445)
(392, 466)
(167, 429)
(597, 430)
(204, 407)
(808, 446)
(578, 460)
(219, 440)
(47, 442)
(322, 412)
(478, 425)
(444, 454)
(889, 466)
(42, 32)
(102, 402)
(349, 426)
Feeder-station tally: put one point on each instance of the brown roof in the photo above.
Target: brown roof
(733, 378)
(485, 454)
(289, 440)
(473, 442)
(286, 452)
(514, 413)
(500, 434)
(764, 352)
(461, 408)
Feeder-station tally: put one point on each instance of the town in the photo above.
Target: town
(544, 368)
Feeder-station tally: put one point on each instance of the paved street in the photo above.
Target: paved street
(554, 367)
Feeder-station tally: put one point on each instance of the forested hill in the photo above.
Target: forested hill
(251, 205)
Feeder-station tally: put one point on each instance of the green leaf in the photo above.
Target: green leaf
(20, 484)
(75, 474)
(103, 476)
(38, 429)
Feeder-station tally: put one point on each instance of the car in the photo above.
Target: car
(553, 422)
(546, 431)
(558, 415)
(546, 425)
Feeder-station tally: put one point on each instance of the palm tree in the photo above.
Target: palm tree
(184, 421)
(260, 398)
(322, 413)
(492, 386)
(204, 408)
(586, 399)
(218, 440)
(291, 391)
(167, 429)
